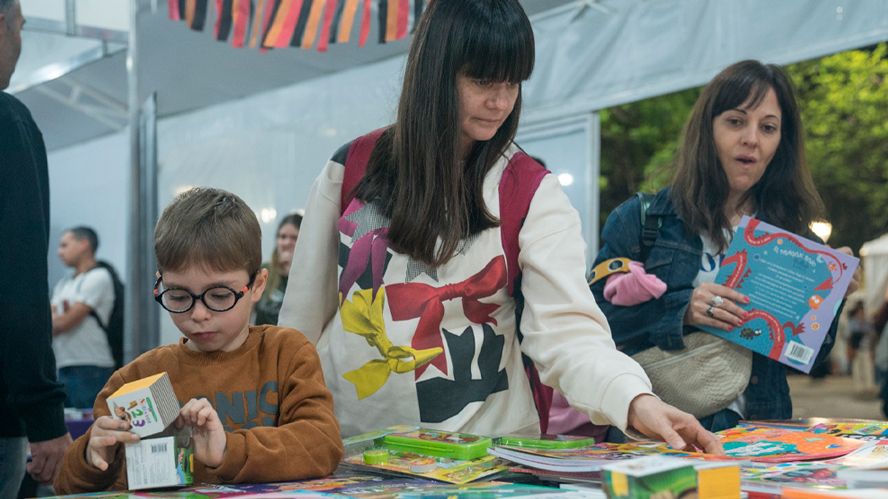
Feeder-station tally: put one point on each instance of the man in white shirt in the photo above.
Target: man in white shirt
(79, 301)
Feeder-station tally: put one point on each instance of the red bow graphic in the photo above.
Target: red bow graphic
(411, 300)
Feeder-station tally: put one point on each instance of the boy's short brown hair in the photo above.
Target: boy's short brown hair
(211, 228)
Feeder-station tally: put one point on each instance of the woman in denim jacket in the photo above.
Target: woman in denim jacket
(742, 153)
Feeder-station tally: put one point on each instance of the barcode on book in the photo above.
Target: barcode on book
(159, 448)
(799, 353)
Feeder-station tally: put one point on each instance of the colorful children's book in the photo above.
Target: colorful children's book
(795, 287)
(591, 458)
(776, 445)
(776, 476)
(443, 469)
(875, 429)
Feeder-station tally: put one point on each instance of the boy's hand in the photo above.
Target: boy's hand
(106, 433)
(655, 418)
(207, 432)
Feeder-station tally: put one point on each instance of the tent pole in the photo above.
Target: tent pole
(141, 321)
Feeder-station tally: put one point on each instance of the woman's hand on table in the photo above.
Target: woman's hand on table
(680, 430)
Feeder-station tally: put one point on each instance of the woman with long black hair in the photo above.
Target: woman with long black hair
(408, 277)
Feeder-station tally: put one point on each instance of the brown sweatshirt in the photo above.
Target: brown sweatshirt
(270, 396)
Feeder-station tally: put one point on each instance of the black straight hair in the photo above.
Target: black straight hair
(415, 172)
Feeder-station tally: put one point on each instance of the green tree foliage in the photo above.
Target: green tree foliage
(638, 142)
(844, 101)
(845, 110)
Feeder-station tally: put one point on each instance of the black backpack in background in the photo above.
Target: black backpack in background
(114, 328)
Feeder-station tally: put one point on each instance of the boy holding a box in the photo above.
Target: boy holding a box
(255, 397)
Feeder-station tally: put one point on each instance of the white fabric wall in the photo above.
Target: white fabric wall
(875, 272)
(627, 50)
(88, 185)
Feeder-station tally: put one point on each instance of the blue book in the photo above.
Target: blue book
(795, 287)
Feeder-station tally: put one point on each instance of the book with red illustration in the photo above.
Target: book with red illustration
(795, 287)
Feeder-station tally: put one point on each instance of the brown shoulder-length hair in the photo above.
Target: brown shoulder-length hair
(785, 195)
(274, 275)
(414, 173)
(208, 228)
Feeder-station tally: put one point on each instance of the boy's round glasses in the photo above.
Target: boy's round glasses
(217, 298)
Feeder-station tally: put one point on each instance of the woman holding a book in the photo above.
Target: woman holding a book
(742, 153)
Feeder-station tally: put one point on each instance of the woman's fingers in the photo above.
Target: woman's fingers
(717, 306)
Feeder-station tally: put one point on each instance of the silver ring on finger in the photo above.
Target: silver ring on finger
(716, 301)
(709, 312)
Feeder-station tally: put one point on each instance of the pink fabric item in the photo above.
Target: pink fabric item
(634, 287)
(565, 420)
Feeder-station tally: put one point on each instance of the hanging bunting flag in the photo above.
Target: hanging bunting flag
(403, 17)
(382, 18)
(223, 22)
(284, 20)
(259, 22)
(391, 20)
(301, 23)
(347, 22)
(173, 7)
(298, 23)
(189, 12)
(417, 13)
(311, 27)
(330, 12)
(365, 24)
(199, 18)
(241, 11)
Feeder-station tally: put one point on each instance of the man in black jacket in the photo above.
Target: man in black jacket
(30, 396)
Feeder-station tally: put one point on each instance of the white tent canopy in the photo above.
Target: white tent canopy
(875, 271)
(262, 125)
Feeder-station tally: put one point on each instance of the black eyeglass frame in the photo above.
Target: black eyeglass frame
(158, 295)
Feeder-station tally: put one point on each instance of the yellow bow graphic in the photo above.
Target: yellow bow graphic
(363, 316)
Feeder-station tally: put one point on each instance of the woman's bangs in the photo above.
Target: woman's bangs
(496, 53)
(745, 92)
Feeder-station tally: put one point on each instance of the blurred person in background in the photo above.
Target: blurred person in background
(278, 269)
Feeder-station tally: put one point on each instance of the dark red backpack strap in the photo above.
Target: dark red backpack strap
(356, 160)
(520, 181)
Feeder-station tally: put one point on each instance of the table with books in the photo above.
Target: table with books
(810, 458)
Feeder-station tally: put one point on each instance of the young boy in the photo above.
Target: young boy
(254, 396)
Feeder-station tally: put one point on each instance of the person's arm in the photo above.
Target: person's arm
(26, 358)
(661, 320)
(96, 288)
(78, 474)
(310, 300)
(70, 318)
(305, 443)
(567, 335)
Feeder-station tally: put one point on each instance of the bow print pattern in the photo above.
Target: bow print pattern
(368, 229)
(413, 299)
(363, 316)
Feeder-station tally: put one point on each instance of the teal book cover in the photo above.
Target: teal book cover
(795, 287)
